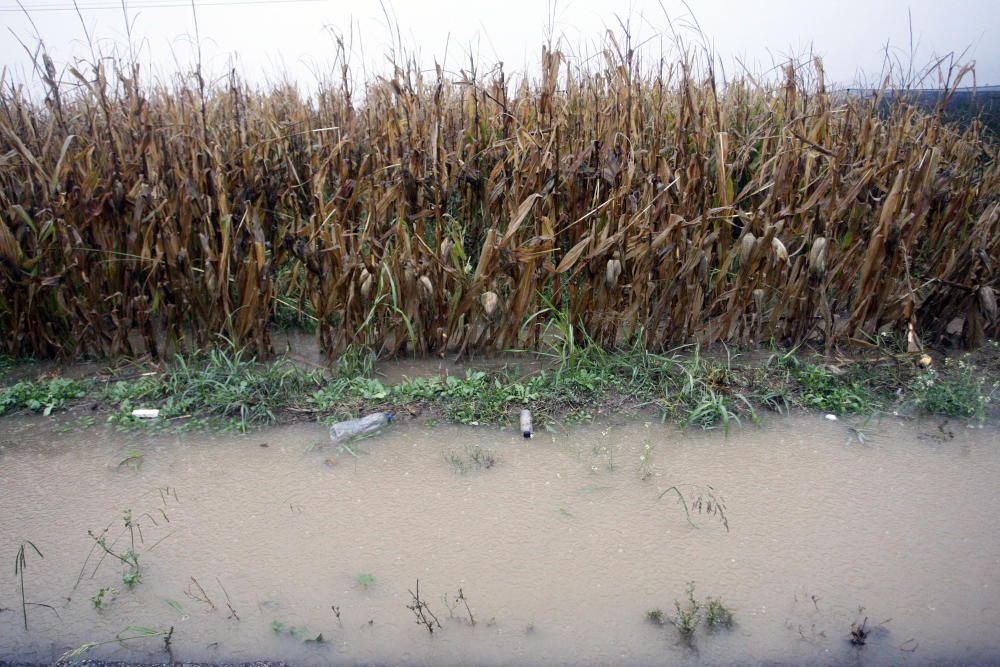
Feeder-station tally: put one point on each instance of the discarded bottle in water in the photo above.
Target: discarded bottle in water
(526, 423)
(342, 431)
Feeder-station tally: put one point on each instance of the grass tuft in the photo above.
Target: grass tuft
(957, 390)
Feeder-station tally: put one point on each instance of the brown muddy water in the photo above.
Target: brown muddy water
(560, 548)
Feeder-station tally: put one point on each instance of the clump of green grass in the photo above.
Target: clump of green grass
(43, 396)
(366, 580)
(228, 383)
(223, 382)
(954, 391)
(717, 614)
(134, 392)
(291, 311)
(686, 616)
(692, 612)
(820, 388)
(125, 546)
(228, 388)
(702, 392)
(655, 616)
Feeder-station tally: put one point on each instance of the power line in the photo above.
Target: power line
(89, 4)
(150, 5)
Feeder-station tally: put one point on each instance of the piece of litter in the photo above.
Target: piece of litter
(832, 418)
(145, 413)
(526, 423)
(344, 431)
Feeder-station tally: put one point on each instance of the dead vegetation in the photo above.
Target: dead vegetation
(433, 213)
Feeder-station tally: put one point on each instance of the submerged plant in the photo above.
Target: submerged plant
(704, 500)
(297, 632)
(686, 616)
(20, 565)
(690, 613)
(134, 460)
(859, 633)
(460, 599)
(422, 611)
(646, 460)
(472, 456)
(103, 596)
(131, 633)
(129, 557)
(196, 592)
(717, 614)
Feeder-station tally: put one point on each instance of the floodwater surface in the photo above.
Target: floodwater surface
(250, 545)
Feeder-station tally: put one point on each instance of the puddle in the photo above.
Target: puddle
(560, 548)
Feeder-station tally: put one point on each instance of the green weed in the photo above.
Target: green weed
(472, 456)
(129, 557)
(704, 500)
(103, 597)
(686, 616)
(78, 424)
(717, 615)
(20, 565)
(646, 459)
(955, 391)
(43, 396)
(356, 361)
(296, 632)
(702, 392)
(692, 612)
(222, 383)
(840, 393)
(291, 311)
(131, 633)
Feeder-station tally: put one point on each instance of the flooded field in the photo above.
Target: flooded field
(248, 546)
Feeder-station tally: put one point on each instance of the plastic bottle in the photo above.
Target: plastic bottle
(526, 423)
(342, 431)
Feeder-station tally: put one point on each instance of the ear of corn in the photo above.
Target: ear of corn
(434, 214)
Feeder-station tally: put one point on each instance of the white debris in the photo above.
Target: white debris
(526, 423)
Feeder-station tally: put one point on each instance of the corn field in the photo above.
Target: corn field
(637, 201)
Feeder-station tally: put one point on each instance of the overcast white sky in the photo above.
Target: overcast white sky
(285, 36)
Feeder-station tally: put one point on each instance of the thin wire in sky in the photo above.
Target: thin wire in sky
(154, 4)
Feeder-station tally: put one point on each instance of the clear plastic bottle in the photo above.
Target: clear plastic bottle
(526, 423)
(343, 431)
